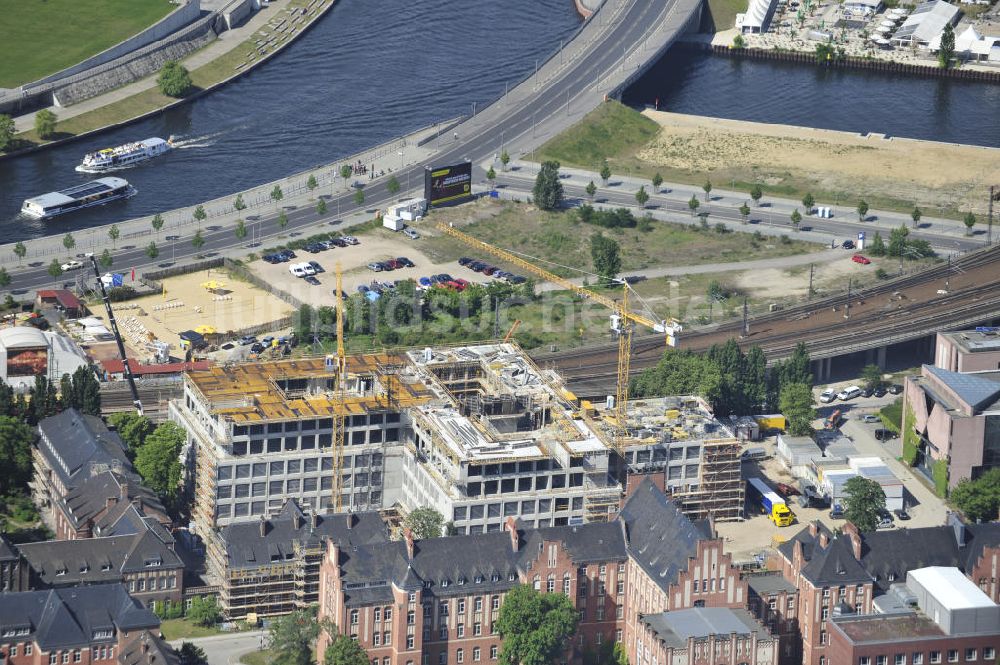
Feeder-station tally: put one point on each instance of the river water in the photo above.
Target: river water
(372, 71)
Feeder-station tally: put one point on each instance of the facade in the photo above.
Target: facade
(436, 600)
(773, 600)
(27, 352)
(91, 625)
(144, 562)
(271, 566)
(704, 636)
(937, 616)
(957, 419)
(13, 568)
(839, 575)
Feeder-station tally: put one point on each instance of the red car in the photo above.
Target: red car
(786, 490)
(863, 260)
(464, 283)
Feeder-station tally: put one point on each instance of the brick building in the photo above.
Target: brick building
(91, 625)
(13, 568)
(704, 636)
(435, 601)
(772, 599)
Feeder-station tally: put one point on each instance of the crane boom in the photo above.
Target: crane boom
(136, 402)
(670, 327)
(338, 414)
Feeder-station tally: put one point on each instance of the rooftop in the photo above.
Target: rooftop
(675, 628)
(768, 584)
(978, 390)
(887, 628)
(950, 587)
(667, 419)
(975, 341)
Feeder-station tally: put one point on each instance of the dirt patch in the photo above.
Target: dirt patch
(830, 161)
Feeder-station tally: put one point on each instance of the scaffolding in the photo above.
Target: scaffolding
(719, 494)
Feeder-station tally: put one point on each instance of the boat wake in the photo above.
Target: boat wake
(205, 141)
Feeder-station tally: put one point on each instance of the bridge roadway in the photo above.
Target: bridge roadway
(896, 311)
(611, 49)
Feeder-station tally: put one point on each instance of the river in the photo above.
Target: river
(362, 77)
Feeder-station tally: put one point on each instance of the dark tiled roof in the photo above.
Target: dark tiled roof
(832, 565)
(84, 561)
(586, 543)
(7, 552)
(888, 555)
(767, 584)
(660, 537)
(89, 499)
(78, 441)
(65, 618)
(247, 549)
(147, 649)
(978, 537)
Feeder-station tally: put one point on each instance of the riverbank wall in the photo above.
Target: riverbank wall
(868, 64)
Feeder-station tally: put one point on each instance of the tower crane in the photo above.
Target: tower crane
(338, 414)
(623, 320)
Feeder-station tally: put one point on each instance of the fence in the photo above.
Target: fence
(151, 279)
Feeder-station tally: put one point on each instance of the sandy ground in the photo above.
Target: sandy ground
(904, 169)
(376, 246)
(186, 305)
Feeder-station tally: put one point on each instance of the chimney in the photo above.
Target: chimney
(856, 545)
(798, 556)
(814, 528)
(111, 500)
(350, 519)
(515, 539)
(824, 540)
(313, 520)
(263, 526)
(297, 520)
(408, 537)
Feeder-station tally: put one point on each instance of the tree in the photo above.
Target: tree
(238, 203)
(915, 216)
(152, 251)
(191, 654)
(359, 197)
(157, 222)
(796, 217)
(872, 376)
(898, 241)
(606, 255)
(283, 220)
(174, 80)
(54, 269)
(45, 124)
(548, 190)
(862, 210)
(69, 242)
(132, 428)
(199, 213)
(796, 402)
(969, 220)
(4, 278)
(534, 626)
(346, 172)
(240, 230)
(197, 241)
(605, 173)
(345, 651)
(20, 250)
(504, 160)
(739, 42)
(204, 611)
(277, 194)
(113, 234)
(311, 183)
(708, 190)
(979, 499)
(16, 438)
(158, 460)
(393, 185)
(82, 391)
(809, 201)
(425, 523)
(641, 197)
(292, 636)
(693, 204)
(877, 245)
(744, 212)
(657, 181)
(6, 131)
(864, 502)
(591, 189)
(947, 49)
(321, 207)
(756, 193)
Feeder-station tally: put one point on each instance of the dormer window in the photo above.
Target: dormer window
(103, 634)
(106, 567)
(60, 572)
(444, 583)
(479, 579)
(461, 581)
(511, 577)
(495, 578)
(152, 563)
(84, 569)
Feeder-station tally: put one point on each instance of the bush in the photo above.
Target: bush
(880, 273)
(785, 240)
(121, 293)
(620, 218)
(174, 80)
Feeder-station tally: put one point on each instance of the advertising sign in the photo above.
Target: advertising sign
(27, 362)
(448, 184)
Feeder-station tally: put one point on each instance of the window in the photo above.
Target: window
(413, 597)
(918, 658)
(550, 585)
(443, 658)
(409, 641)
(495, 602)
(864, 660)
(899, 659)
(377, 614)
(54, 658)
(461, 630)
(477, 629)
(935, 656)
(443, 632)
(65, 656)
(29, 649)
(970, 654)
(443, 608)
(354, 617)
(387, 638)
(952, 655)
(479, 604)
(387, 613)
(476, 652)
(460, 656)
(76, 656)
(566, 584)
(377, 639)
(411, 618)
(989, 653)
(493, 652)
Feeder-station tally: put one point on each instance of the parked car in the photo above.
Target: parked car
(406, 263)
(425, 282)
(837, 512)
(286, 254)
(375, 266)
(870, 418)
(464, 283)
(256, 348)
(350, 240)
(863, 260)
(338, 242)
(362, 289)
(517, 279)
(827, 396)
(895, 389)
(464, 261)
(316, 266)
(850, 392)
(883, 434)
(393, 264)
(297, 270)
(901, 514)
(272, 258)
(411, 234)
(847, 244)
(71, 265)
(786, 490)
(879, 392)
(310, 279)
(267, 341)
(885, 522)
(307, 269)
(247, 340)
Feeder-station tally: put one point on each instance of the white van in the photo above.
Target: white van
(850, 392)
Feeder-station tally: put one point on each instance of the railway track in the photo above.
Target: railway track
(895, 311)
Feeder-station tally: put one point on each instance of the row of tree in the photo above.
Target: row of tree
(80, 390)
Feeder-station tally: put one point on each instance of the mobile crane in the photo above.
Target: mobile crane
(623, 320)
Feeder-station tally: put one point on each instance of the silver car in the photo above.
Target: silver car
(410, 233)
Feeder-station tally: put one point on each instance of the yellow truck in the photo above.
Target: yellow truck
(770, 503)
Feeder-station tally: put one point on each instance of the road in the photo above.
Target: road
(226, 649)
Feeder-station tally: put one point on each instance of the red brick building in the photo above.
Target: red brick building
(703, 636)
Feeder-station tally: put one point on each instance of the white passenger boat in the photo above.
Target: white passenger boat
(93, 193)
(124, 156)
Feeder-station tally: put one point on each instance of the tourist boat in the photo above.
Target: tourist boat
(124, 156)
(93, 193)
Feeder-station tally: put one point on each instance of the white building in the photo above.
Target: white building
(757, 18)
(926, 24)
(26, 352)
(970, 45)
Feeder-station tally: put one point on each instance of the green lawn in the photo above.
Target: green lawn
(41, 37)
(175, 629)
(723, 13)
(612, 130)
(258, 658)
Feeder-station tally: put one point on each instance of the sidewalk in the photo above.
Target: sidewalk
(220, 46)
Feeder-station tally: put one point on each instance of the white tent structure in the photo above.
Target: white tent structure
(970, 45)
(757, 18)
(926, 23)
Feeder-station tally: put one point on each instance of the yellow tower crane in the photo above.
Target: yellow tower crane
(338, 413)
(623, 320)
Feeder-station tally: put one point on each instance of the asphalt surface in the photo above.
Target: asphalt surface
(226, 649)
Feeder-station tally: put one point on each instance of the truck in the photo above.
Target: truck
(770, 503)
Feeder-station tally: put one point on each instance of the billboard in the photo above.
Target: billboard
(448, 184)
(27, 362)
